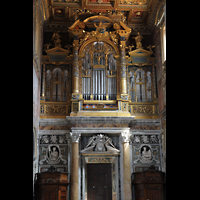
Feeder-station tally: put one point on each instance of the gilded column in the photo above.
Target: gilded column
(123, 65)
(43, 83)
(75, 166)
(75, 66)
(126, 166)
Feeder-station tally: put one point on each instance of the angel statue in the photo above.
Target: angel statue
(150, 48)
(100, 143)
(46, 47)
(138, 40)
(109, 145)
(56, 39)
(91, 143)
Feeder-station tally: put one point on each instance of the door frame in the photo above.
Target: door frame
(99, 159)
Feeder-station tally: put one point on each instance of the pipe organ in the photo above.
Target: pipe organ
(98, 74)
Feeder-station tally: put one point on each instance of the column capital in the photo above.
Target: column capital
(125, 135)
(75, 136)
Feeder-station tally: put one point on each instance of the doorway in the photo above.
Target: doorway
(99, 184)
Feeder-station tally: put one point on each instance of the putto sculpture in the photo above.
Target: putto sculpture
(100, 143)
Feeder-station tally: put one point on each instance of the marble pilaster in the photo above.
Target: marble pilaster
(126, 165)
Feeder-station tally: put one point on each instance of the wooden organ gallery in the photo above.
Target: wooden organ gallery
(100, 131)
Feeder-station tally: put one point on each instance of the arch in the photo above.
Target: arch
(57, 69)
(56, 87)
(99, 40)
(139, 70)
(140, 85)
(100, 18)
(160, 11)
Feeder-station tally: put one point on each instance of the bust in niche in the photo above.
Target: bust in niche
(53, 153)
(146, 154)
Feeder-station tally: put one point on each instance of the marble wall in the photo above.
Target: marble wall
(159, 68)
(38, 19)
(161, 85)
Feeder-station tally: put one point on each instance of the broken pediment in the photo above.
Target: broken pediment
(99, 27)
(99, 144)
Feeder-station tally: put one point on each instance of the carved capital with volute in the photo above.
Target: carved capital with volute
(75, 136)
(125, 135)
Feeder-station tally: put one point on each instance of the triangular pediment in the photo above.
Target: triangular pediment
(140, 52)
(57, 50)
(140, 56)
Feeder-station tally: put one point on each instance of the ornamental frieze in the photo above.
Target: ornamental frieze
(56, 109)
(142, 109)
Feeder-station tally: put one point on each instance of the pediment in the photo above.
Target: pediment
(140, 52)
(124, 26)
(100, 144)
(57, 50)
(140, 56)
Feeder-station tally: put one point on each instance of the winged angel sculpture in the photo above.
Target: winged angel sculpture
(100, 143)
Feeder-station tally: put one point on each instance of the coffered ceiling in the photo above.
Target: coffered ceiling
(139, 15)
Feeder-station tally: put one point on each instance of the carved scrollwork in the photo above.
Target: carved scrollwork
(135, 2)
(55, 109)
(142, 109)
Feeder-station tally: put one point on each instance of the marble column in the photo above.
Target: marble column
(126, 166)
(75, 166)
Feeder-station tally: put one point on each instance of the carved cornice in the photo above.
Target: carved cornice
(99, 120)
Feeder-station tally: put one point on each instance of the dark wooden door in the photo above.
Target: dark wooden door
(99, 182)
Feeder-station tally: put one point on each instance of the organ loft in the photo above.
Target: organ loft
(99, 100)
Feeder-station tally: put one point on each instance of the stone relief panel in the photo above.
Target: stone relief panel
(53, 139)
(53, 150)
(145, 150)
(152, 139)
(53, 154)
(146, 154)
